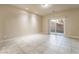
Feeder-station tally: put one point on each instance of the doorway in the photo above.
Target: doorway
(56, 26)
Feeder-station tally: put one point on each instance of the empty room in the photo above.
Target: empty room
(39, 28)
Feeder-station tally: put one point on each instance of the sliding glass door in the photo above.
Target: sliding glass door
(56, 26)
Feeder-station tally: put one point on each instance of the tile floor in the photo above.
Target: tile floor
(40, 44)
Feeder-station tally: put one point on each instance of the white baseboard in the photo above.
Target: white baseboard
(72, 36)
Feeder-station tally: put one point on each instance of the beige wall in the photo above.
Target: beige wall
(18, 22)
(71, 22)
(45, 25)
(0, 28)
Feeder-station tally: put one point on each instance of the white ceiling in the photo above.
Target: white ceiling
(36, 8)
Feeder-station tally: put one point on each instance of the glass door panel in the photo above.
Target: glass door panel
(59, 26)
(53, 26)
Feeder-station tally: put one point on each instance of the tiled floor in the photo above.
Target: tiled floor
(40, 44)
